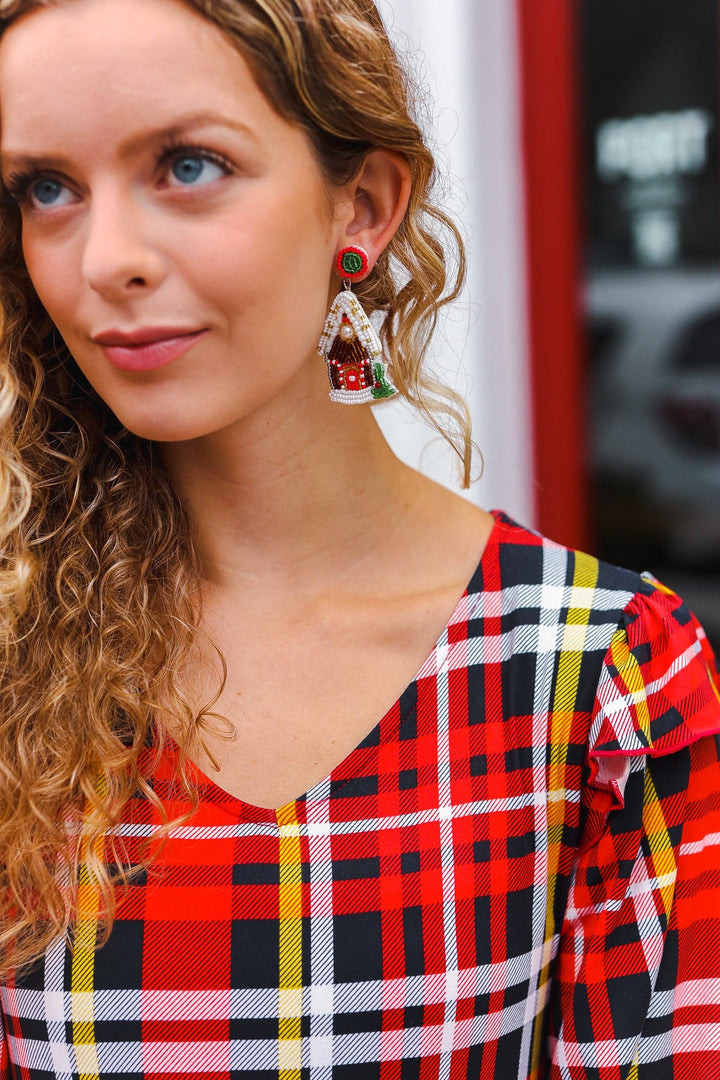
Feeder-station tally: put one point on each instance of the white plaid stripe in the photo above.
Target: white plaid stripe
(549, 639)
(373, 824)
(445, 814)
(56, 1006)
(319, 1003)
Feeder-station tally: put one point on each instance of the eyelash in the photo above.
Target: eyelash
(18, 184)
(178, 149)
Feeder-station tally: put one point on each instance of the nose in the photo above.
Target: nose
(119, 257)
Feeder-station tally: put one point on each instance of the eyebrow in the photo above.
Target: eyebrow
(11, 159)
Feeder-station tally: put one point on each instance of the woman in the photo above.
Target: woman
(217, 578)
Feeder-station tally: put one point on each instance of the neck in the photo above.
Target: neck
(278, 501)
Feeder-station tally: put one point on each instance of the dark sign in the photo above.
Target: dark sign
(649, 69)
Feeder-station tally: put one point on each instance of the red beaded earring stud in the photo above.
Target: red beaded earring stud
(352, 263)
(349, 344)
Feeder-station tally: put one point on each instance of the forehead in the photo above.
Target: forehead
(63, 65)
(74, 33)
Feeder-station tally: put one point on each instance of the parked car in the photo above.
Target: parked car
(654, 391)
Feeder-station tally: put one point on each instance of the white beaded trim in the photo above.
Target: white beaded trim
(346, 303)
(352, 397)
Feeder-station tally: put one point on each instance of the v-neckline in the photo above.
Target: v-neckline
(345, 769)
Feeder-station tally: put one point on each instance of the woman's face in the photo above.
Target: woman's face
(177, 230)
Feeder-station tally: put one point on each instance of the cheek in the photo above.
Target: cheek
(285, 234)
(52, 276)
(271, 270)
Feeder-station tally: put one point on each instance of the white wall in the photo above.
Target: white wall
(469, 50)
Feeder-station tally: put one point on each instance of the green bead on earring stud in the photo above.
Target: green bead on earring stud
(352, 263)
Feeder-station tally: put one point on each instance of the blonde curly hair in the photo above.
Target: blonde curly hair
(100, 579)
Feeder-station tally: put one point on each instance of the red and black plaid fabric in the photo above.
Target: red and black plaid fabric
(516, 874)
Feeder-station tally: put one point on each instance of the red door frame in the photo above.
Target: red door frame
(550, 126)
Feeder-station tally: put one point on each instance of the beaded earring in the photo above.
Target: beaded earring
(349, 344)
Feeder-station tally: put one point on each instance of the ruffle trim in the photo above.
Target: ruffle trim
(659, 689)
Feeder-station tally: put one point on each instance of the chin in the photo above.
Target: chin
(167, 428)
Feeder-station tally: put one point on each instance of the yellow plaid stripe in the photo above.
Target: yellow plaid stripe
(563, 711)
(663, 853)
(564, 704)
(83, 967)
(290, 993)
(653, 818)
(631, 675)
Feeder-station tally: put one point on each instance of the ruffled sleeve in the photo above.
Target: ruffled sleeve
(636, 991)
(658, 692)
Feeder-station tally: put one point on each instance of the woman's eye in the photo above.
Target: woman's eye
(191, 169)
(48, 193)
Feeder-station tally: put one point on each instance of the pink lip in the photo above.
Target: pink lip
(146, 349)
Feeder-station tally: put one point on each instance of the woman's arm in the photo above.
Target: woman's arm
(637, 987)
(636, 991)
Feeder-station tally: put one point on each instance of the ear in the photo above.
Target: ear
(377, 200)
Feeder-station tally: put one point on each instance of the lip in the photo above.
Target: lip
(147, 348)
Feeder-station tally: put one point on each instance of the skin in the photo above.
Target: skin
(330, 567)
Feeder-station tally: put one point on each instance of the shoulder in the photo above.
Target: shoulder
(624, 647)
(516, 555)
(526, 578)
(530, 570)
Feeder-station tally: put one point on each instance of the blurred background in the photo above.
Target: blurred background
(578, 142)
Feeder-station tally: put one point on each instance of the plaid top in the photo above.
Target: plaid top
(516, 874)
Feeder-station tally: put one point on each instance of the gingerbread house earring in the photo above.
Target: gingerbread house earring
(349, 344)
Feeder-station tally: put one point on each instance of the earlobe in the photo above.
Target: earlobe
(380, 199)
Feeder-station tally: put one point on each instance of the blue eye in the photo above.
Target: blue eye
(47, 192)
(192, 169)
